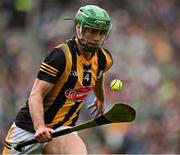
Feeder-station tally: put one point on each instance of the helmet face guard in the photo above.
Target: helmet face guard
(96, 18)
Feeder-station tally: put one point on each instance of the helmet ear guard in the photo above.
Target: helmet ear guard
(91, 16)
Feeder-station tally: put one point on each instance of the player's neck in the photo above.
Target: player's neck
(84, 53)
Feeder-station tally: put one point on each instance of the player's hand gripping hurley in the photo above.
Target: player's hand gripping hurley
(119, 112)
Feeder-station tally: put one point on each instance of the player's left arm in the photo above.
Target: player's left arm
(99, 89)
(98, 104)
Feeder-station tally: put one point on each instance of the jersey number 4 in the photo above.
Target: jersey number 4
(87, 77)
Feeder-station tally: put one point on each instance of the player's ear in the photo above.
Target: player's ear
(77, 27)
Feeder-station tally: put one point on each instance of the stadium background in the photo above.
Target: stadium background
(145, 45)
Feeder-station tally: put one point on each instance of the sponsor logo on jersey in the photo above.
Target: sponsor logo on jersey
(73, 73)
(78, 94)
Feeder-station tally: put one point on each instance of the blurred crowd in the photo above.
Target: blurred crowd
(145, 45)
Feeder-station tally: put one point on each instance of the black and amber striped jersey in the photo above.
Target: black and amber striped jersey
(73, 77)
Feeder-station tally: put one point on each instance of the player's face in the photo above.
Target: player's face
(91, 39)
(94, 36)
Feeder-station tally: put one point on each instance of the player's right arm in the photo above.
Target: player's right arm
(39, 91)
(50, 72)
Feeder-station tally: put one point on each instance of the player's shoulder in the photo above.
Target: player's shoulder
(67, 47)
(105, 54)
(60, 50)
(106, 51)
(56, 55)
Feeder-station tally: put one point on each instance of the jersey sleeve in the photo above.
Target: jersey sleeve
(53, 66)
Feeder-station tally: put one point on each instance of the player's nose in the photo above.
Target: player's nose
(97, 37)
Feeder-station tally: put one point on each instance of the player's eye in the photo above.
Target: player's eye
(103, 32)
(94, 31)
